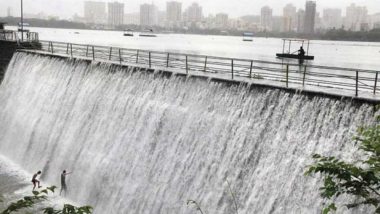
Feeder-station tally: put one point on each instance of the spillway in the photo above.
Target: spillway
(144, 143)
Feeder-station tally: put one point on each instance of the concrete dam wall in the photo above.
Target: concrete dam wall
(142, 143)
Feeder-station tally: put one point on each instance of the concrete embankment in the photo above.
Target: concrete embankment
(6, 53)
(8, 48)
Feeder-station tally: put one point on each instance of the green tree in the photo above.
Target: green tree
(360, 178)
(40, 196)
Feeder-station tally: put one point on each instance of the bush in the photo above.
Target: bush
(40, 196)
(360, 179)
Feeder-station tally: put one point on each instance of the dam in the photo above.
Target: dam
(142, 142)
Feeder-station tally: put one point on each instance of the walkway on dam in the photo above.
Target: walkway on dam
(334, 81)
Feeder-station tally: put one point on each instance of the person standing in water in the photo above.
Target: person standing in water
(63, 182)
(35, 181)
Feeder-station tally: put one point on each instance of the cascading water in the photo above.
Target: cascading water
(143, 143)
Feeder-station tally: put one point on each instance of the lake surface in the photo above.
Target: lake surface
(363, 55)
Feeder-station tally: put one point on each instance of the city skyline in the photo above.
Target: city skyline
(241, 8)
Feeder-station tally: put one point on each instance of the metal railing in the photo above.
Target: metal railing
(10, 35)
(285, 74)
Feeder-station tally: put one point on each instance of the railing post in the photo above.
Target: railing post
(287, 75)
(167, 60)
(187, 66)
(71, 49)
(205, 67)
(120, 57)
(137, 57)
(67, 49)
(374, 88)
(109, 58)
(232, 68)
(93, 53)
(87, 51)
(357, 83)
(51, 46)
(250, 69)
(304, 76)
(150, 60)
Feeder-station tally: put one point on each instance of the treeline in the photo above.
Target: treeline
(52, 23)
(340, 34)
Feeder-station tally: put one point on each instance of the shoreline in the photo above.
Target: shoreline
(256, 35)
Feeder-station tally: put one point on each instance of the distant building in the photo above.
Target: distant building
(318, 22)
(193, 13)
(95, 12)
(209, 21)
(77, 18)
(221, 20)
(266, 18)
(289, 18)
(237, 24)
(375, 21)
(132, 18)
(364, 27)
(376, 25)
(9, 12)
(173, 14)
(161, 18)
(115, 14)
(310, 12)
(277, 24)
(300, 20)
(332, 18)
(40, 15)
(355, 17)
(148, 15)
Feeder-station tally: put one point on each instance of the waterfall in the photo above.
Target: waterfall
(143, 143)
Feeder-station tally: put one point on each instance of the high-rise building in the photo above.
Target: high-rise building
(289, 18)
(310, 12)
(277, 24)
(95, 12)
(332, 18)
(173, 13)
(356, 16)
(148, 15)
(266, 18)
(9, 12)
(194, 13)
(375, 21)
(132, 18)
(161, 18)
(221, 20)
(318, 22)
(300, 20)
(115, 13)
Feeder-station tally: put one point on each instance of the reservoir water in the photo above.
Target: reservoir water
(363, 55)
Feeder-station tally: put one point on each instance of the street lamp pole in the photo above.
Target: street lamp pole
(22, 22)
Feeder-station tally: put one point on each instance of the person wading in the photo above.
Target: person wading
(35, 181)
(63, 182)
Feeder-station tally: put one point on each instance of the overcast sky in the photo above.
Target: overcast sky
(235, 8)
